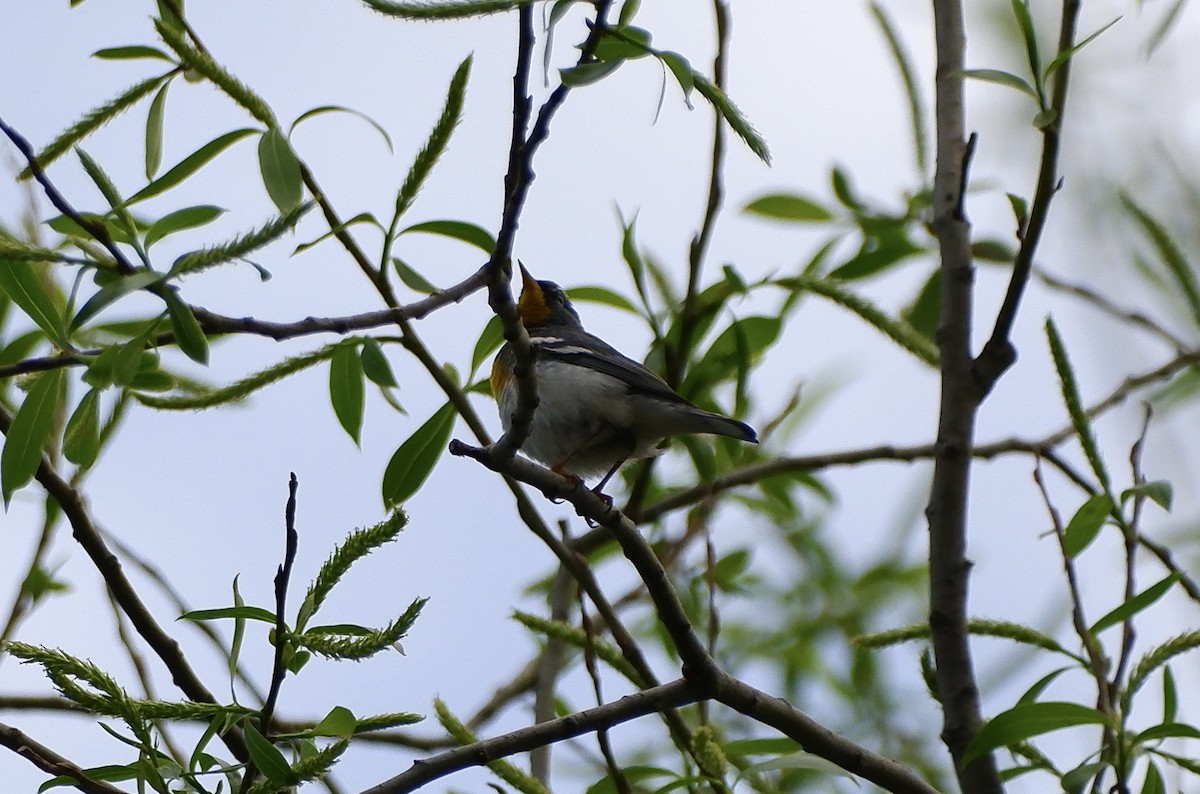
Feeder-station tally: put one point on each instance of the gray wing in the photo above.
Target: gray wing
(584, 349)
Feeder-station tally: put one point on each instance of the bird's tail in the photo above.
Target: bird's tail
(702, 421)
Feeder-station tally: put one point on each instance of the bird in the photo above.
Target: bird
(598, 408)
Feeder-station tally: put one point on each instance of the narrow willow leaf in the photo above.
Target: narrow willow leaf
(239, 631)
(1025, 22)
(1079, 418)
(189, 336)
(1002, 78)
(340, 721)
(925, 310)
(916, 108)
(437, 141)
(375, 365)
(362, 217)
(280, 170)
(231, 613)
(489, 340)
(269, 760)
(1135, 604)
(412, 279)
(1159, 491)
(1066, 55)
(189, 165)
(1169, 252)
(457, 230)
(682, 70)
(131, 52)
(346, 391)
(154, 131)
(319, 111)
(1083, 527)
(414, 460)
(733, 117)
(588, 73)
(108, 189)
(1026, 721)
(603, 296)
(1170, 696)
(29, 433)
(92, 122)
(447, 9)
(626, 43)
(186, 218)
(23, 284)
(81, 439)
(788, 207)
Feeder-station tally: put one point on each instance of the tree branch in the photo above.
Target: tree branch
(649, 701)
(960, 396)
(51, 762)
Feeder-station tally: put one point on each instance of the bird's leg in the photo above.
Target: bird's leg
(599, 489)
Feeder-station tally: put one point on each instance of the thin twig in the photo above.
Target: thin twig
(51, 762)
(667, 696)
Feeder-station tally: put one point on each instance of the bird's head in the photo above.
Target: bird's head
(544, 303)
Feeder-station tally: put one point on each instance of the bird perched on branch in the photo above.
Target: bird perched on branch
(598, 408)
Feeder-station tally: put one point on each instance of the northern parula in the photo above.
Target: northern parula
(598, 408)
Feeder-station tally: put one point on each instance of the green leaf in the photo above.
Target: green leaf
(22, 283)
(235, 613)
(1026, 721)
(189, 336)
(414, 460)
(340, 721)
(113, 291)
(457, 230)
(346, 391)
(1085, 524)
(375, 365)
(1169, 251)
(267, 758)
(1065, 55)
(1020, 208)
(879, 251)
(789, 207)
(189, 165)
(622, 43)
(280, 170)
(362, 217)
(186, 218)
(588, 73)
(602, 295)
(81, 439)
(1002, 78)
(1029, 35)
(925, 310)
(131, 52)
(1159, 491)
(1135, 604)
(412, 279)
(308, 114)
(154, 131)
(30, 432)
(1167, 730)
(1170, 696)
(683, 72)
(239, 629)
(489, 340)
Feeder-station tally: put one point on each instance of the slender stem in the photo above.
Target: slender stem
(949, 568)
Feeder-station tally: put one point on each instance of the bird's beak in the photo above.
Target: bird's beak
(532, 302)
(528, 282)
